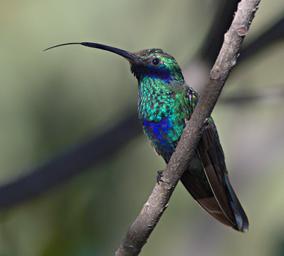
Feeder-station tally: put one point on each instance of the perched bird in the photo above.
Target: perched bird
(165, 103)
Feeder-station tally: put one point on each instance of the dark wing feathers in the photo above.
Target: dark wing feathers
(213, 190)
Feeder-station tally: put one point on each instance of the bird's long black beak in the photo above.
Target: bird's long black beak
(131, 57)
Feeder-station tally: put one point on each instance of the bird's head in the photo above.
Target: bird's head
(149, 63)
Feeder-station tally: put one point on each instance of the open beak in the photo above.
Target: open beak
(131, 57)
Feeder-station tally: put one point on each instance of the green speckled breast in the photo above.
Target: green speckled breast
(163, 110)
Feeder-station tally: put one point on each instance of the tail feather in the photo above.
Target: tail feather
(229, 213)
(241, 219)
(209, 184)
(204, 197)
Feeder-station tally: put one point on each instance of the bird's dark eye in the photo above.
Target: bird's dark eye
(156, 61)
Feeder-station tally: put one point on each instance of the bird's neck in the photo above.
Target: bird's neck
(156, 97)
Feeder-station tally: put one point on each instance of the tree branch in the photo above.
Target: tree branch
(244, 97)
(272, 35)
(213, 41)
(156, 204)
(70, 163)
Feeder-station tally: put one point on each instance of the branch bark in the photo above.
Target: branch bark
(144, 224)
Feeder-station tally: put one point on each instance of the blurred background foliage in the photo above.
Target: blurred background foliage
(50, 102)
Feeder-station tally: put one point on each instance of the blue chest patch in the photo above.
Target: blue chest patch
(161, 134)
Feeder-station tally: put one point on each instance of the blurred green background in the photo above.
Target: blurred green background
(50, 101)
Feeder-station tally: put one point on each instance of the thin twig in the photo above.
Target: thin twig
(156, 204)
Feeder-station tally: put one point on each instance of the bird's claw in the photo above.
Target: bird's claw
(159, 177)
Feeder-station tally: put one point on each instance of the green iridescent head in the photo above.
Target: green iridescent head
(155, 63)
(149, 63)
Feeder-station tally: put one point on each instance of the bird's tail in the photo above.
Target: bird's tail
(229, 213)
(207, 181)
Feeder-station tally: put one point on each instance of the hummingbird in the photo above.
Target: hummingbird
(165, 104)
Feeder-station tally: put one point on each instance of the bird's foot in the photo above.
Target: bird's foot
(159, 177)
